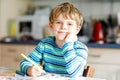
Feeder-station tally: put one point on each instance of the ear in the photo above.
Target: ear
(78, 29)
(50, 26)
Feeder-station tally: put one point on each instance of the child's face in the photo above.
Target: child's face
(61, 27)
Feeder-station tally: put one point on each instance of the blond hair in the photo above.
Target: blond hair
(67, 9)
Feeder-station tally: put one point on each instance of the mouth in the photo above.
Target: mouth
(62, 32)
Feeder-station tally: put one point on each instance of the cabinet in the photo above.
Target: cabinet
(10, 54)
(9, 10)
(0, 53)
(106, 62)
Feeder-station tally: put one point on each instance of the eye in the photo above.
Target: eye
(58, 22)
(70, 24)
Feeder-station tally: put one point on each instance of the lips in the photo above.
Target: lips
(62, 32)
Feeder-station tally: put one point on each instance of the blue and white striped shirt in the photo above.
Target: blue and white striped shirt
(69, 60)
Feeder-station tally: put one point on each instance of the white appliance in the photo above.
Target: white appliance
(118, 17)
(31, 25)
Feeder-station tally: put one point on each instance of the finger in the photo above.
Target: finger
(67, 36)
(71, 37)
(37, 69)
(35, 73)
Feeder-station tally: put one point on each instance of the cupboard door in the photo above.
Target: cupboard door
(106, 62)
(118, 75)
(106, 71)
(104, 56)
(0, 55)
(11, 55)
(29, 49)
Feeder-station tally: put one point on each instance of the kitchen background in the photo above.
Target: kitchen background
(26, 22)
(100, 18)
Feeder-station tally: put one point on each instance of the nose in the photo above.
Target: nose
(64, 26)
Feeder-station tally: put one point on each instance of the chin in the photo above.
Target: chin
(61, 38)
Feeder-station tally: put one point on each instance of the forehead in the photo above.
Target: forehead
(67, 17)
(64, 19)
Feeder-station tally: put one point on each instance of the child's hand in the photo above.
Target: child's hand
(71, 37)
(34, 71)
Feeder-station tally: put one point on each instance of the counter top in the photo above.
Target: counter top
(95, 45)
(21, 42)
(92, 45)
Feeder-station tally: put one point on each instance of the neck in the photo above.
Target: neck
(59, 43)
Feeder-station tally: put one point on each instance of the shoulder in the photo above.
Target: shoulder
(48, 39)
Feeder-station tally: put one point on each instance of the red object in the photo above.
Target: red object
(98, 32)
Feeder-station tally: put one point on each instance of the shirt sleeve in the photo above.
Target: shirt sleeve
(35, 56)
(75, 56)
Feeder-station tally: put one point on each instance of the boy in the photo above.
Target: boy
(61, 53)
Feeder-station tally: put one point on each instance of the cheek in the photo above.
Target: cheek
(72, 29)
(54, 30)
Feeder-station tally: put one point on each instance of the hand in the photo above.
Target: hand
(34, 71)
(71, 37)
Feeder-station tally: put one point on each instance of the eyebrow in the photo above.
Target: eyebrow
(65, 20)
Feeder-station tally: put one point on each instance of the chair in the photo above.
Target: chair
(89, 72)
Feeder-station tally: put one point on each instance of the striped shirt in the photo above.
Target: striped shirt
(69, 60)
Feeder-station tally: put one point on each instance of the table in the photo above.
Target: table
(6, 74)
(48, 76)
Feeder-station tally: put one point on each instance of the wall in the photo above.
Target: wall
(9, 9)
(94, 8)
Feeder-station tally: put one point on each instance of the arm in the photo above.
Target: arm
(35, 56)
(75, 56)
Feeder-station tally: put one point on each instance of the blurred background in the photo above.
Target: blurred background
(23, 23)
(29, 19)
